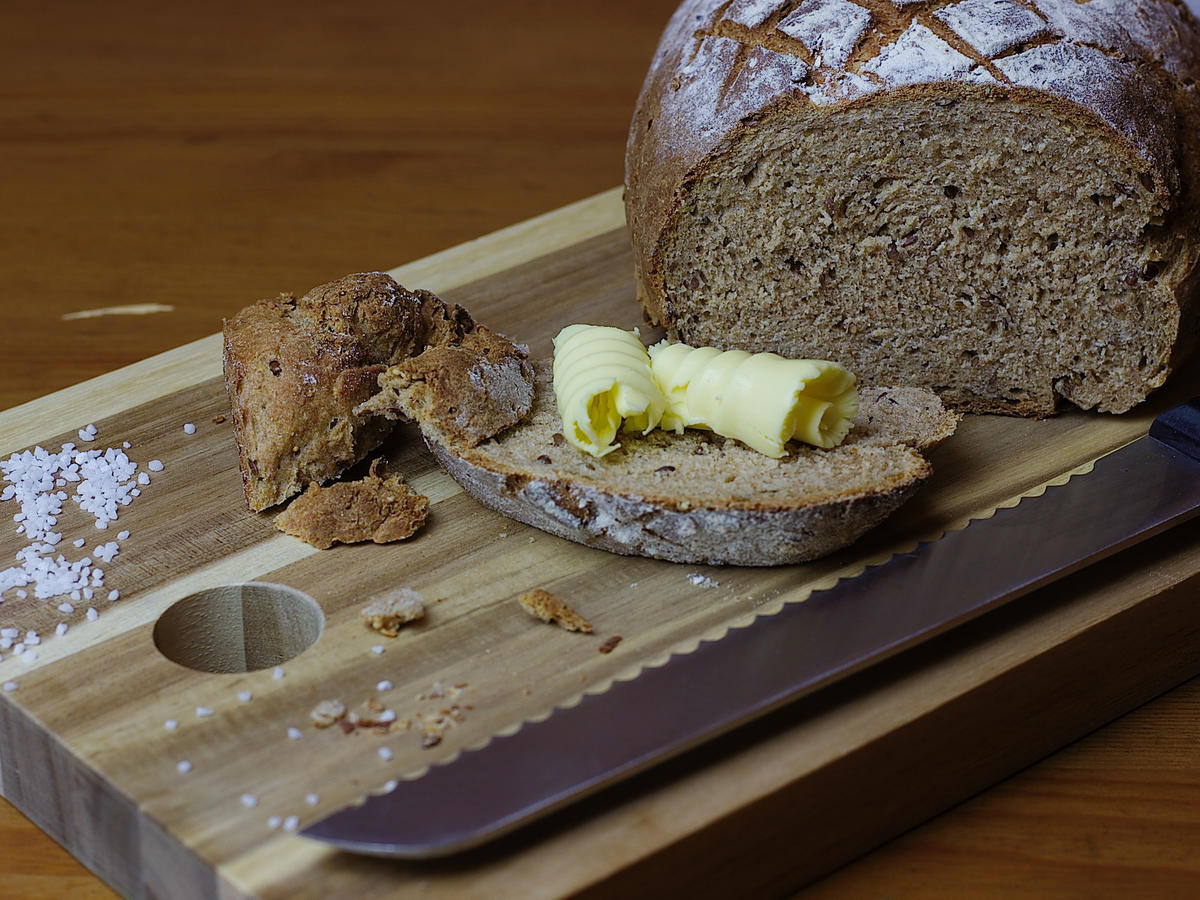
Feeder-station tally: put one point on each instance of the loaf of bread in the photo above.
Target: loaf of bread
(698, 497)
(995, 199)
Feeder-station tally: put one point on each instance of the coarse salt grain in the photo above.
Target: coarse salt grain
(155, 465)
(249, 801)
(122, 535)
(80, 542)
(10, 632)
(291, 823)
(171, 724)
(65, 607)
(189, 428)
(10, 686)
(277, 674)
(312, 799)
(294, 734)
(183, 767)
(245, 696)
(273, 822)
(114, 595)
(60, 629)
(384, 686)
(92, 615)
(377, 649)
(143, 479)
(203, 712)
(386, 754)
(102, 482)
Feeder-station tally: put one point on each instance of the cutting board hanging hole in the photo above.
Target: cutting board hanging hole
(239, 627)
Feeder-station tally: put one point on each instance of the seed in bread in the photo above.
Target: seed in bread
(995, 199)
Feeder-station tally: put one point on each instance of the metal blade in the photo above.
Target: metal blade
(1130, 495)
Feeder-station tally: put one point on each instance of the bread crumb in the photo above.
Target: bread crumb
(545, 606)
(376, 509)
(327, 712)
(390, 612)
(373, 714)
(610, 644)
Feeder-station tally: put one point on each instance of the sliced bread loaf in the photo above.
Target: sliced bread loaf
(698, 497)
(996, 199)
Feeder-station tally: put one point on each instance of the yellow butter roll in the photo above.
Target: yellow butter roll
(761, 399)
(602, 379)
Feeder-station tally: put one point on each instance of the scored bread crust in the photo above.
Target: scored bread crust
(732, 83)
(698, 497)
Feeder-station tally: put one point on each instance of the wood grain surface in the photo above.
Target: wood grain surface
(165, 164)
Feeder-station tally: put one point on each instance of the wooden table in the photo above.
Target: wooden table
(165, 164)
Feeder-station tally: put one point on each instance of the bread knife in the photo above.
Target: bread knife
(1130, 495)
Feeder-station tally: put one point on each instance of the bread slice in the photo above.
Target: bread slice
(995, 199)
(698, 497)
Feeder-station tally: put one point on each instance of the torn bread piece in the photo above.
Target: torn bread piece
(382, 509)
(700, 498)
(471, 390)
(296, 368)
(545, 606)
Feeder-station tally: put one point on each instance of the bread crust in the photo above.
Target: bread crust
(1118, 72)
(636, 526)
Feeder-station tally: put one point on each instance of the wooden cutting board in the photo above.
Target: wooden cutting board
(86, 750)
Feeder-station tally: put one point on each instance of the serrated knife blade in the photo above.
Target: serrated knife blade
(1130, 495)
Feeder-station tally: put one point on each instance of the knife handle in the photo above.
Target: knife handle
(1179, 428)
